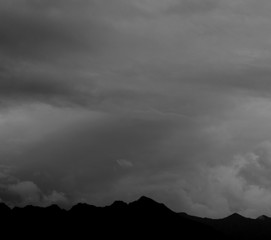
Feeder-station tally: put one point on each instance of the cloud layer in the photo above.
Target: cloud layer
(104, 100)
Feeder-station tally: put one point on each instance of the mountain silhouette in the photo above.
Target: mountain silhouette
(235, 217)
(141, 219)
(237, 226)
(263, 218)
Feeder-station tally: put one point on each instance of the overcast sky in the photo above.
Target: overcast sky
(113, 99)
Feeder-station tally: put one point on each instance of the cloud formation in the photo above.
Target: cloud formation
(15, 192)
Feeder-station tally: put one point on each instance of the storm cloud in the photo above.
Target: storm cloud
(105, 100)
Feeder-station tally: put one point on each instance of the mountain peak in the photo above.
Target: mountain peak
(146, 199)
(147, 202)
(236, 216)
(263, 218)
(149, 205)
(53, 207)
(80, 206)
(118, 204)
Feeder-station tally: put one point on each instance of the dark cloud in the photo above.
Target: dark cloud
(37, 88)
(43, 46)
(28, 35)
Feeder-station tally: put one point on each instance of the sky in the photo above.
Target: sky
(104, 100)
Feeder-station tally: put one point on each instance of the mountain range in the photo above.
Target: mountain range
(141, 219)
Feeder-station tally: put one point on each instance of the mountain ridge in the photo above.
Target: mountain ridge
(143, 199)
(142, 218)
